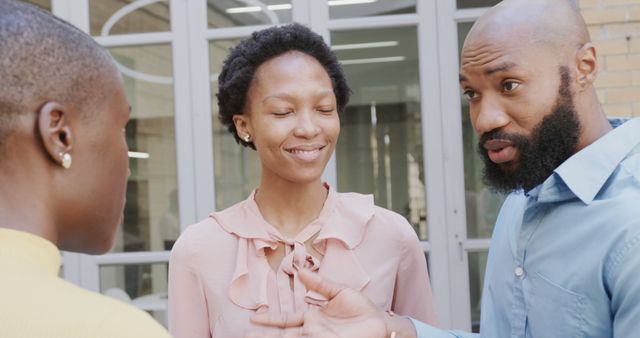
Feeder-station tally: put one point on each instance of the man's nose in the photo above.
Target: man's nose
(489, 115)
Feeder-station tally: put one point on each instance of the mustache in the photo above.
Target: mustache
(518, 140)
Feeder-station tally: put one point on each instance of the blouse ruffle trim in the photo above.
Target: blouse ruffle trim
(342, 225)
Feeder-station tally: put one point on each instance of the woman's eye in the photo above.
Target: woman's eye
(281, 113)
(326, 110)
(510, 86)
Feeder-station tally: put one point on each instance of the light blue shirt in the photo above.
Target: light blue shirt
(564, 259)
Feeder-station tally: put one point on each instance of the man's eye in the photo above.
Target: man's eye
(510, 86)
(469, 94)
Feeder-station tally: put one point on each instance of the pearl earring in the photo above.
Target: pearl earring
(246, 138)
(66, 160)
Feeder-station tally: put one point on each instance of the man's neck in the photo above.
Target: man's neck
(593, 121)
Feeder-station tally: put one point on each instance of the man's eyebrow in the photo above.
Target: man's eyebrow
(499, 68)
(491, 70)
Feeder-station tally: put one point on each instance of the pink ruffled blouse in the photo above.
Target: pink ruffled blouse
(219, 275)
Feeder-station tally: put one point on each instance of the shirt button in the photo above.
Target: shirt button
(519, 272)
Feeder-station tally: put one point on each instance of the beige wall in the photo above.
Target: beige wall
(615, 30)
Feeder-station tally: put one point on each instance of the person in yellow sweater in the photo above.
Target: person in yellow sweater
(63, 173)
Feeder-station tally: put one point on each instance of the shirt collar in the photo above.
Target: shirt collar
(585, 173)
(30, 251)
(343, 217)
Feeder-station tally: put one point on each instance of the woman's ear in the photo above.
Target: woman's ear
(587, 65)
(243, 126)
(55, 132)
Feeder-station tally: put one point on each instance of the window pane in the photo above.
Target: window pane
(112, 17)
(340, 9)
(482, 205)
(151, 211)
(380, 147)
(461, 4)
(237, 168)
(477, 264)
(141, 285)
(228, 13)
(44, 4)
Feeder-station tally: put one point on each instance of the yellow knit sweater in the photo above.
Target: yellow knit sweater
(36, 303)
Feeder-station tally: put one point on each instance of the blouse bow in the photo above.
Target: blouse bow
(340, 227)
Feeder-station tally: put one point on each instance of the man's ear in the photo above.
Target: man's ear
(55, 131)
(587, 65)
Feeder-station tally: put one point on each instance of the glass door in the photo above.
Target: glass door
(144, 39)
(399, 57)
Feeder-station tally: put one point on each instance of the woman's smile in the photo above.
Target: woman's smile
(306, 153)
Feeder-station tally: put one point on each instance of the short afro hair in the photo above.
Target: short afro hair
(44, 58)
(244, 59)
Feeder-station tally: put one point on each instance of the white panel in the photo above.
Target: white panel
(90, 273)
(453, 166)
(139, 39)
(230, 32)
(185, 155)
(139, 257)
(79, 14)
(71, 266)
(202, 137)
(477, 245)
(319, 17)
(426, 247)
(60, 8)
(469, 14)
(300, 10)
(432, 134)
(74, 11)
(382, 21)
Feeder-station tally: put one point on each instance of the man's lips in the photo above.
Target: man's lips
(500, 151)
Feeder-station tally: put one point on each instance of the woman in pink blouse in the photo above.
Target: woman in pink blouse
(280, 92)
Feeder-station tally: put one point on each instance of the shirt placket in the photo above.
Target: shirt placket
(531, 219)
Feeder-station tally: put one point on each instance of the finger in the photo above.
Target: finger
(315, 282)
(280, 320)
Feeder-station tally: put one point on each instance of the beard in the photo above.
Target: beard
(551, 143)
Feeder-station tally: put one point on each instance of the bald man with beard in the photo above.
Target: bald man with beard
(63, 177)
(564, 259)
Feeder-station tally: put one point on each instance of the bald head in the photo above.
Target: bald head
(555, 24)
(42, 59)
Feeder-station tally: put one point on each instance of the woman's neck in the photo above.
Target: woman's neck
(290, 206)
(20, 209)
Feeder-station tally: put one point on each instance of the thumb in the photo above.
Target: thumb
(315, 282)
